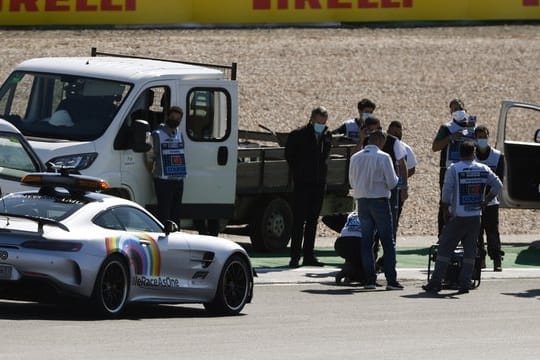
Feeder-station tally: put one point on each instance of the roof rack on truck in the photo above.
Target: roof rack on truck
(230, 68)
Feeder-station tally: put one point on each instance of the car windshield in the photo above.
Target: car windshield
(34, 204)
(59, 106)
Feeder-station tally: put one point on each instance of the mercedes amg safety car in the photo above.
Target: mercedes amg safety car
(66, 239)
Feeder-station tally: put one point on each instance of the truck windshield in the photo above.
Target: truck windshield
(57, 106)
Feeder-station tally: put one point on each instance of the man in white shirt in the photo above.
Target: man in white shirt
(372, 176)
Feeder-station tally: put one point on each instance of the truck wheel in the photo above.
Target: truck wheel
(271, 225)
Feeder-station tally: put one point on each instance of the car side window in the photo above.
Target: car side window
(133, 219)
(108, 221)
(127, 218)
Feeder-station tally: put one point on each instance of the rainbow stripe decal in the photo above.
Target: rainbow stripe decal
(141, 249)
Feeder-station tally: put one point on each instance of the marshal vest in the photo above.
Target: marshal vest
(471, 179)
(452, 151)
(352, 130)
(492, 161)
(171, 155)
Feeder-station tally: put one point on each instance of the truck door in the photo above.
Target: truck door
(149, 104)
(518, 137)
(210, 129)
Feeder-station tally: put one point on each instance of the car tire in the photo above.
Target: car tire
(271, 225)
(234, 288)
(111, 287)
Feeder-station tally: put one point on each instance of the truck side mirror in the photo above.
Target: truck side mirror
(537, 136)
(139, 130)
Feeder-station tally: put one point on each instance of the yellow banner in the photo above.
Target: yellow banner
(223, 12)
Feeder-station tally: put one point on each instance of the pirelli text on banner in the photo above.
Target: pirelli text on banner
(66, 5)
(208, 12)
(330, 4)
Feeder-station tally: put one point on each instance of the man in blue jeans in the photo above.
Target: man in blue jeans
(372, 177)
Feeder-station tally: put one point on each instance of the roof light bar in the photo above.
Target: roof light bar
(74, 182)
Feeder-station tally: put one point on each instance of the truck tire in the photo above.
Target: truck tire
(270, 227)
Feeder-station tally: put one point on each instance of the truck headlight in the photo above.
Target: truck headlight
(77, 161)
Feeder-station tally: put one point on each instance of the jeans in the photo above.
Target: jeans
(464, 229)
(376, 214)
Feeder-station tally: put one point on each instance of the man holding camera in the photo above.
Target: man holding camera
(448, 141)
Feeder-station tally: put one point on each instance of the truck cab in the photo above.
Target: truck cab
(518, 137)
(95, 113)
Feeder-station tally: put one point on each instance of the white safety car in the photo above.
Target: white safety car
(65, 239)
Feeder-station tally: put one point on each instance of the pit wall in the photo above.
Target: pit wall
(251, 12)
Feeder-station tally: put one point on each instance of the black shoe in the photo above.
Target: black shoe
(312, 262)
(294, 263)
(339, 276)
(394, 286)
(463, 291)
(497, 264)
(431, 288)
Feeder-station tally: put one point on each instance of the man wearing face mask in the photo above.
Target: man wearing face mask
(306, 151)
(490, 214)
(169, 167)
(448, 141)
(351, 127)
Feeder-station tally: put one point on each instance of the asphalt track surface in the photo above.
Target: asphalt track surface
(272, 268)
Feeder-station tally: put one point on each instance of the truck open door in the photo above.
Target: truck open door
(210, 129)
(518, 137)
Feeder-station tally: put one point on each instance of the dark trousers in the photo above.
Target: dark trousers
(169, 197)
(440, 216)
(490, 225)
(350, 248)
(457, 229)
(207, 226)
(308, 199)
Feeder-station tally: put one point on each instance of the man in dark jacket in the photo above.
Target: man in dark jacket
(306, 151)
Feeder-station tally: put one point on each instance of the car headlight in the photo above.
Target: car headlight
(77, 161)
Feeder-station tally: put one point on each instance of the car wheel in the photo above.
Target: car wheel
(111, 287)
(233, 289)
(271, 226)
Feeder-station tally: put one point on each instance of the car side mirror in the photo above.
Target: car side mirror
(170, 227)
(537, 136)
(140, 129)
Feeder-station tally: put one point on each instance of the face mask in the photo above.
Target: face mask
(482, 143)
(365, 115)
(173, 124)
(460, 116)
(319, 128)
